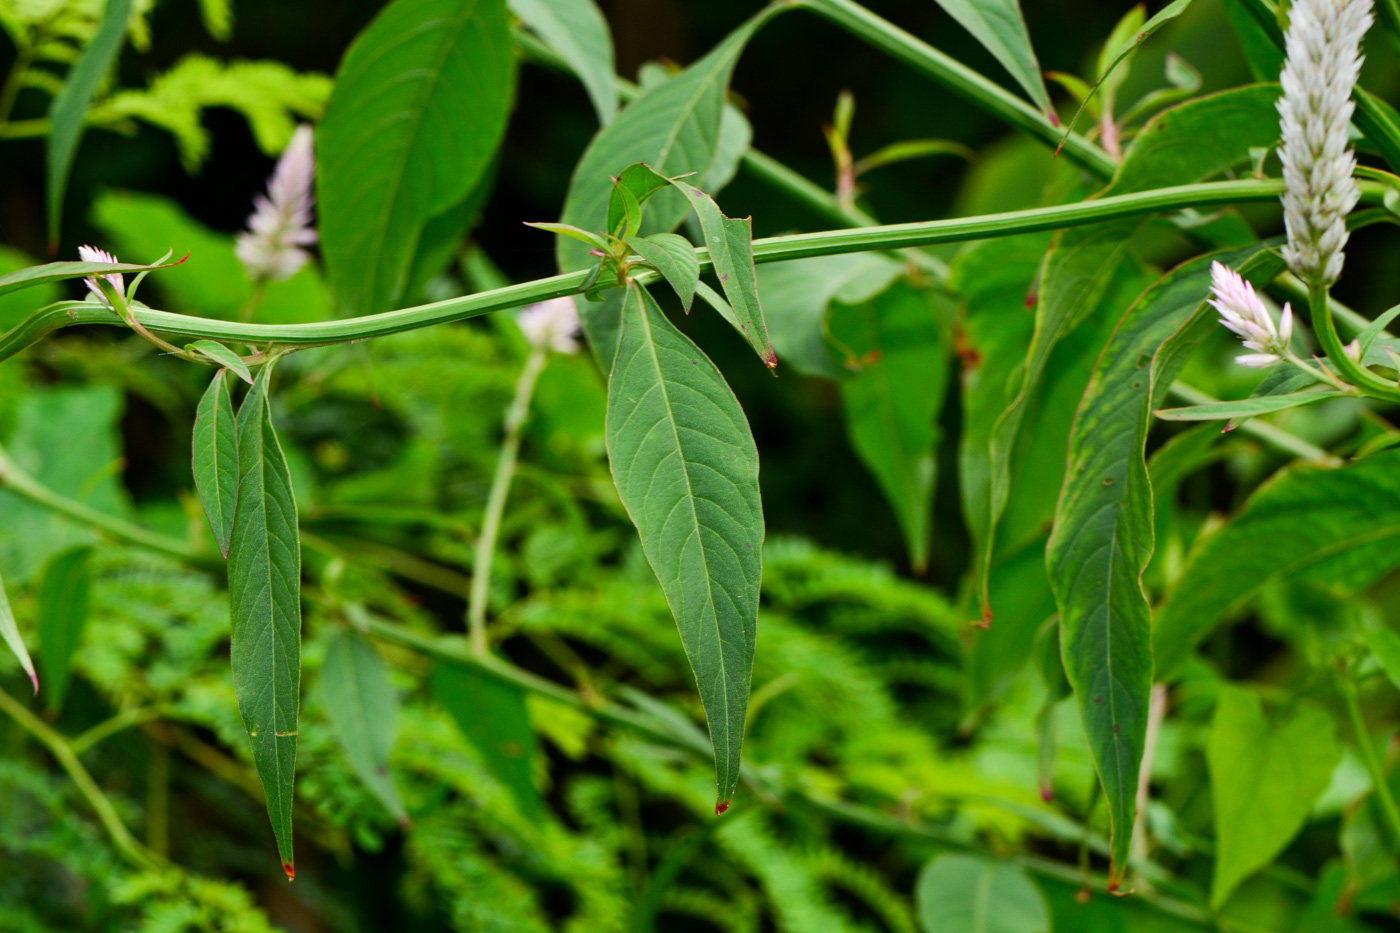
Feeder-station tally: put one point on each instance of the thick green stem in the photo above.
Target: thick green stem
(771, 249)
(1380, 787)
(1326, 329)
(516, 414)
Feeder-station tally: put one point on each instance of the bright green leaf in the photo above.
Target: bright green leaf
(215, 460)
(675, 259)
(577, 31)
(221, 355)
(964, 893)
(64, 596)
(58, 271)
(912, 149)
(9, 631)
(1250, 407)
(363, 709)
(493, 716)
(1000, 27)
(687, 471)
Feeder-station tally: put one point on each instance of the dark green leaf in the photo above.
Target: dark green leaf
(9, 631)
(1309, 522)
(63, 612)
(1250, 407)
(418, 110)
(1000, 27)
(1265, 775)
(221, 355)
(492, 715)
(215, 460)
(675, 259)
(892, 402)
(363, 709)
(577, 31)
(687, 471)
(264, 574)
(964, 893)
(69, 108)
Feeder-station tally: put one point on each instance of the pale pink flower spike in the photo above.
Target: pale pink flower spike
(551, 325)
(93, 254)
(280, 227)
(1243, 312)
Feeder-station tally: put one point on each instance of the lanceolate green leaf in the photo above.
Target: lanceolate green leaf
(1338, 526)
(1265, 775)
(675, 259)
(215, 460)
(493, 716)
(1102, 537)
(221, 355)
(687, 470)
(363, 709)
(58, 271)
(69, 108)
(264, 575)
(960, 893)
(419, 107)
(1250, 407)
(9, 631)
(577, 31)
(1000, 27)
(63, 611)
(892, 402)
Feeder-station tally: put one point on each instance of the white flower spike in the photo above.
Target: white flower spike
(551, 325)
(272, 249)
(93, 254)
(1324, 59)
(1243, 312)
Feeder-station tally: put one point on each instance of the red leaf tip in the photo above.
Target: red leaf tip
(1047, 794)
(721, 807)
(291, 870)
(34, 679)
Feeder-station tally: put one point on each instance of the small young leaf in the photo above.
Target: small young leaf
(964, 893)
(221, 355)
(1248, 408)
(686, 469)
(215, 460)
(363, 709)
(63, 612)
(912, 149)
(10, 632)
(675, 259)
(577, 31)
(493, 716)
(69, 108)
(574, 233)
(639, 180)
(264, 575)
(623, 205)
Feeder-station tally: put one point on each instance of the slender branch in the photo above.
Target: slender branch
(1347, 688)
(114, 724)
(1326, 329)
(496, 501)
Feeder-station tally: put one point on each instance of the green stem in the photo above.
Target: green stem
(114, 724)
(771, 249)
(1347, 688)
(516, 414)
(959, 79)
(58, 746)
(1326, 329)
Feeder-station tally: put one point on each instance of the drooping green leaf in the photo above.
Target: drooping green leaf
(1265, 775)
(215, 460)
(1102, 537)
(892, 402)
(9, 631)
(675, 259)
(363, 709)
(1337, 526)
(64, 596)
(577, 31)
(1249, 407)
(69, 108)
(1000, 27)
(264, 574)
(419, 107)
(221, 355)
(492, 715)
(58, 271)
(964, 893)
(686, 469)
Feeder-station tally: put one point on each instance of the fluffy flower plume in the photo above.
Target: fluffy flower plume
(1243, 312)
(93, 254)
(280, 226)
(551, 325)
(1324, 59)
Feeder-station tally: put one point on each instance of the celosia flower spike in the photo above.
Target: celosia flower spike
(1324, 59)
(551, 325)
(93, 254)
(280, 227)
(1243, 312)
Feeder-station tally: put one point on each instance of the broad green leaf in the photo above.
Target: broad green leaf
(419, 107)
(675, 259)
(892, 402)
(1385, 645)
(1000, 27)
(9, 631)
(58, 271)
(965, 893)
(730, 242)
(1102, 537)
(492, 715)
(577, 31)
(1264, 57)
(363, 709)
(264, 575)
(215, 459)
(221, 355)
(1248, 408)
(69, 108)
(798, 296)
(1265, 775)
(64, 596)
(1337, 526)
(686, 469)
